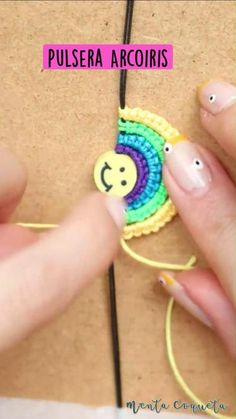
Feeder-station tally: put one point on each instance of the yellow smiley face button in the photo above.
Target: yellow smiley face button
(115, 174)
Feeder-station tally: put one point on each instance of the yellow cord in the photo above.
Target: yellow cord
(37, 226)
(155, 264)
(184, 386)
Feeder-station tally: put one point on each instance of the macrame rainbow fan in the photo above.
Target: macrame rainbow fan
(144, 137)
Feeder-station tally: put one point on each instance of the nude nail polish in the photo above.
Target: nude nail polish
(116, 208)
(215, 96)
(187, 166)
(176, 290)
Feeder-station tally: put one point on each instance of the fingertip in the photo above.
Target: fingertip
(17, 171)
(218, 112)
(205, 291)
(14, 238)
(102, 210)
(216, 95)
(13, 180)
(199, 292)
(116, 208)
(173, 285)
(204, 115)
(92, 230)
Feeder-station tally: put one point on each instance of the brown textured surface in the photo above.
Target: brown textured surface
(53, 120)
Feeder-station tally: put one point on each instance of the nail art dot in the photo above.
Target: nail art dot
(123, 183)
(168, 148)
(162, 281)
(212, 98)
(198, 164)
(122, 169)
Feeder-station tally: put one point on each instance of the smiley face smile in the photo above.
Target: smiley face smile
(105, 167)
(115, 174)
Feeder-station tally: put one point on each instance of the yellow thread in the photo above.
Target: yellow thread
(37, 226)
(155, 264)
(182, 383)
(178, 139)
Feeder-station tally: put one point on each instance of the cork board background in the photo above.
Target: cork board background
(58, 123)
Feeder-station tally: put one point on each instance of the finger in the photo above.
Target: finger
(218, 112)
(205, 198)
(39, 282)
(200, 293)
(14, 238)
(13, 179)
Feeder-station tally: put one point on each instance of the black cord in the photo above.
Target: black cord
(126, 40)
(111, 272)
(115, 336)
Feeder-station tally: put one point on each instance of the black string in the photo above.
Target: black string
(115, 336)
(111, 272)
(126, 40)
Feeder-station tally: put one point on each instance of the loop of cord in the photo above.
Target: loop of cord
(156, 264)
(171, 357)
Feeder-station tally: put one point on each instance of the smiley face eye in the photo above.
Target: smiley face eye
(168, 148)
(212, 98)
(198, 164)
(123, 183)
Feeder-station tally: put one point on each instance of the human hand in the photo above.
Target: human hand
(35, 288)
(204, 195)
(39, 277)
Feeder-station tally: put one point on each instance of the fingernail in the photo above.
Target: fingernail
(216, 96)
(177, 291)
(116, 208)
(187, 166)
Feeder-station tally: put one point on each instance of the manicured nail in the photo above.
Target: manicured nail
(116, 208)
(187, 166)
(215, 96)
(180, 295)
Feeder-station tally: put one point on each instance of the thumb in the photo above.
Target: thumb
(40, 281)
